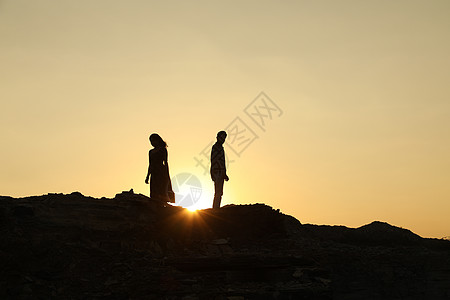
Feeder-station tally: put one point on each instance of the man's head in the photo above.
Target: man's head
(221, 136)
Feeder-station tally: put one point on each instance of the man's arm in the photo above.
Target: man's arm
(225, 176)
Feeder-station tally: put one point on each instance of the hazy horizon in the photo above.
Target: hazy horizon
(360, 130)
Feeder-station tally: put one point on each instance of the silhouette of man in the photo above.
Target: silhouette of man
(218, 168)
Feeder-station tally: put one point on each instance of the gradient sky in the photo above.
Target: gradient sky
(363, 87)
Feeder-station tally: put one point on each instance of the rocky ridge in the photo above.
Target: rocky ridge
(59, 246)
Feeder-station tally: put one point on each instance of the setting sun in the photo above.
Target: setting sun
(205, 197)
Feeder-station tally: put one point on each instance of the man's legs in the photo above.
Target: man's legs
(218, 192)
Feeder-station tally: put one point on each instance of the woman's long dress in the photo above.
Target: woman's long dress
(159, 180)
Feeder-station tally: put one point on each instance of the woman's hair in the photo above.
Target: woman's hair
(157, 141)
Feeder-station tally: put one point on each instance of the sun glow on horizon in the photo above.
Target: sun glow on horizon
(206, 195)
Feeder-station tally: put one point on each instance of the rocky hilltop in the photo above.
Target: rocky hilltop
(59, 246)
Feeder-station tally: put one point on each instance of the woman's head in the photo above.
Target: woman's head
(157, 141)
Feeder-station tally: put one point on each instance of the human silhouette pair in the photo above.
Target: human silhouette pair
(158, 169)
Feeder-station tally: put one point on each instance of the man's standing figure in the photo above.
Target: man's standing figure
(218, 168)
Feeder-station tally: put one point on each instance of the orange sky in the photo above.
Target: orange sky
(364, 132)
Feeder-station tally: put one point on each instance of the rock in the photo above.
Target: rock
(220, 242)
(130, 247)
(23, 211)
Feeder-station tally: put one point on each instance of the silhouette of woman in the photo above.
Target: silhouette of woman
(160, 184)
